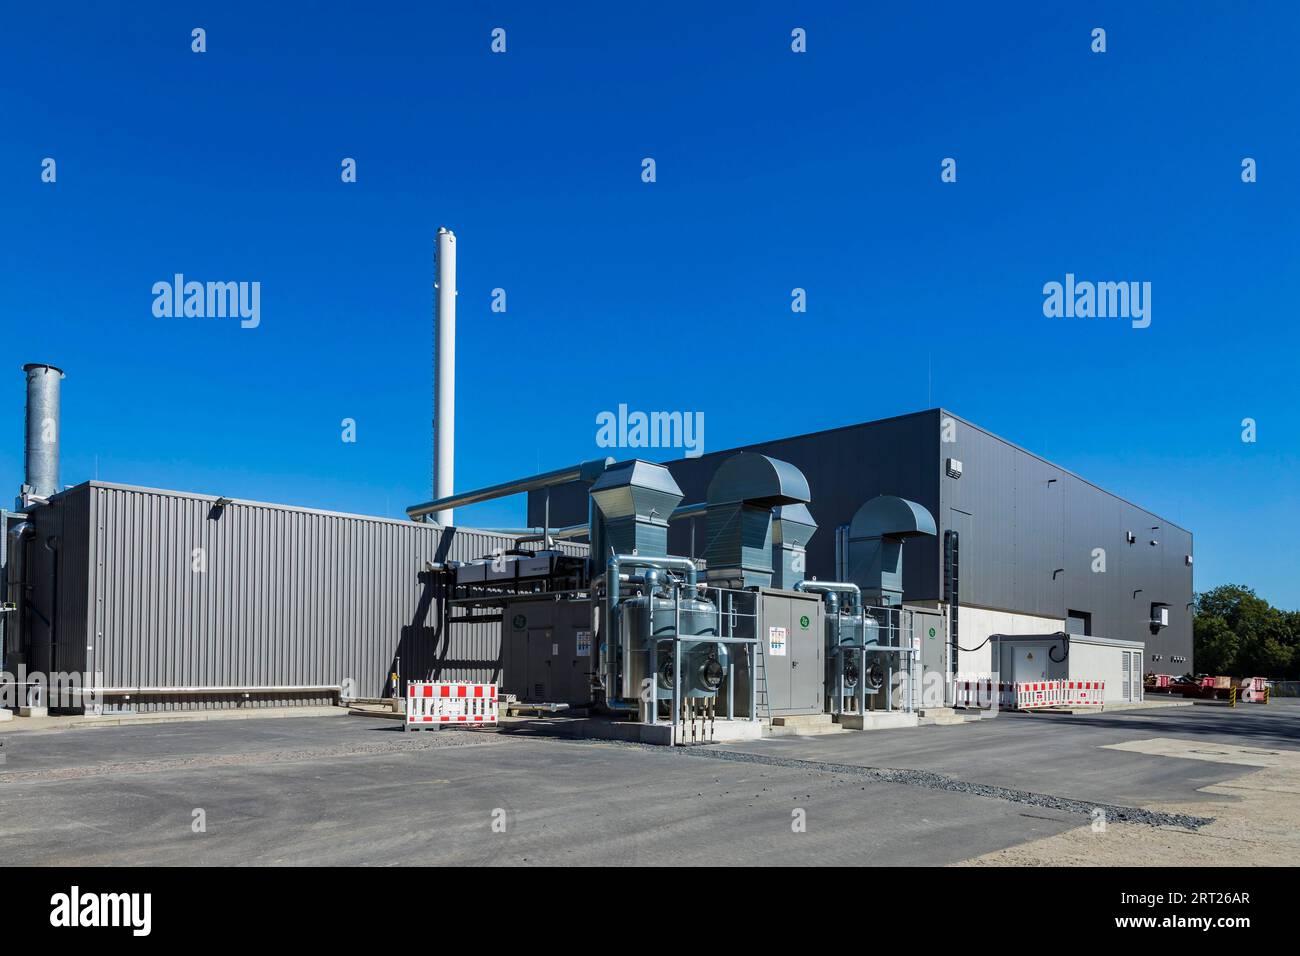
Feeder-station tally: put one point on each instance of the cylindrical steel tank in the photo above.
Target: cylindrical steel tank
(849, 637)
(651, 621)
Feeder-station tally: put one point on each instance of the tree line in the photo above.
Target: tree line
(1237, 633)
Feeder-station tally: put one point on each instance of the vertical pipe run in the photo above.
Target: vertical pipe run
(444, 359)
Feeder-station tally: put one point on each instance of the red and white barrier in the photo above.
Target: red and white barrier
(433, 704)
(1084, 692)
(982, 692)
(1254, 690)
(1041, 693)
(1028, 695)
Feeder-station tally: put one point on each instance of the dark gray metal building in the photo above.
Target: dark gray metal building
(1041, 549)
(183, 602)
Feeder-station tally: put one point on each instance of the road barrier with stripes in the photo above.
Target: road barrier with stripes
(1084, 691)
(1254, 690)
(1028, 695)
(434, 704)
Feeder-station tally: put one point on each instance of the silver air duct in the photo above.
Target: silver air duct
(633, 500)
(444, 375)
(742, 494)
(876, 537)
(41, 476)
(792, 527)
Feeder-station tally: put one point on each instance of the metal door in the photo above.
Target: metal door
(808, 666)
(539, 664)
(929, 629)
(1029, 664)
(1128, 675)
(514, 676)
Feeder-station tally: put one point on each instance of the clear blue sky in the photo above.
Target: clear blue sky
(775, 170)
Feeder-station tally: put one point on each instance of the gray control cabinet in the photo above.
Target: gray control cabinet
(929, 628)
(791, 675)
(547, 651)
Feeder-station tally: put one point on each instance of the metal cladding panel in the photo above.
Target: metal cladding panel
(1037, 537)
(182, 595)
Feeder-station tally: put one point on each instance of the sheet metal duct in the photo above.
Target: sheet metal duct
(876, 537)
(41, 473)
(742, 494)
(792, 528)
(634, 500)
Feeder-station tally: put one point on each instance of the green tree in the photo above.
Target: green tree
(1216, 645)
(1238, 633)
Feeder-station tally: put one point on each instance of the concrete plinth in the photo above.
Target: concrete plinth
(876, 720)
(723, 731)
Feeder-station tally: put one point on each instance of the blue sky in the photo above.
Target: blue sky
(775, 170)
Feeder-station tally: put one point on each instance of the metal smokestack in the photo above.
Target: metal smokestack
(444, 374)
(42, 461)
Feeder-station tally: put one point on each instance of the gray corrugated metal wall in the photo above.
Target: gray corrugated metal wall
(1029, 518)
(58, 558)
(285, 596)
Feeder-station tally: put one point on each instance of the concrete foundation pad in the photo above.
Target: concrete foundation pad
(1110, 708)
(880, 720)
(6, 714)
(33, 712)
(723, 731)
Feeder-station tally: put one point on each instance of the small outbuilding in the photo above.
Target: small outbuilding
(1074, 657)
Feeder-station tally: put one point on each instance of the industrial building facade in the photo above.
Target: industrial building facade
(178, 601)
(1041, 549)
(175, 600)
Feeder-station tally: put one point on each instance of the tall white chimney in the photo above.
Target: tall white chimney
(444, 374)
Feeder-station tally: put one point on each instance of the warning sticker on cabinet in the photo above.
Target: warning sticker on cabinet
(584, 643)
(776, 641)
